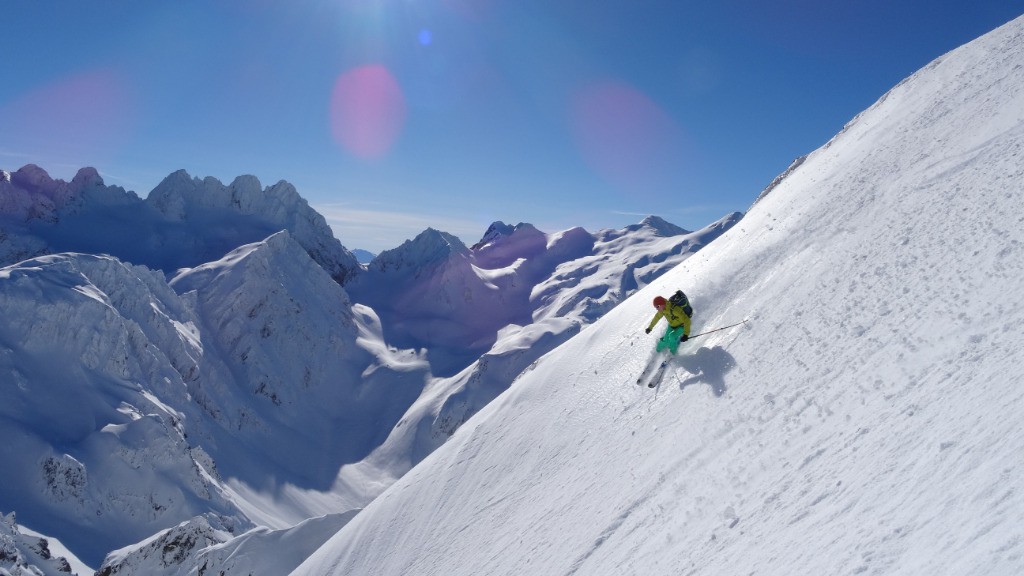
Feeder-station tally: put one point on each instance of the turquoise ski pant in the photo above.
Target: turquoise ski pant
(670, 341)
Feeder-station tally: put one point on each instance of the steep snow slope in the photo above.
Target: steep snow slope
(129, 408)
(865, 420)
(23, 551)
(290, 367)
(196, 548)
(96, 357)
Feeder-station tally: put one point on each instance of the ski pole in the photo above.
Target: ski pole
(716, 330)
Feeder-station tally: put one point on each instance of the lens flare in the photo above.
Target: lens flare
(626, 138)
(88, 116)
(367, 111)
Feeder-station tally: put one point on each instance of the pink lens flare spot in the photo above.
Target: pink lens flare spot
(625, 137)
(87, 115)
(367, 111)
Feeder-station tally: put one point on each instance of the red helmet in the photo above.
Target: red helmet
(659, 301)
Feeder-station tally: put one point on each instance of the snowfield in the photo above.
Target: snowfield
(866, 420)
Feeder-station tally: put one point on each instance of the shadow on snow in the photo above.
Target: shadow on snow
(708, 366)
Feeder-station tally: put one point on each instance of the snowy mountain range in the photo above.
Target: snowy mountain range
(183, 222)
(454, 409)
(173, 410)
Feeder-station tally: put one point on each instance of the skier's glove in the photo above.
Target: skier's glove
(684, 338)
(647, 331)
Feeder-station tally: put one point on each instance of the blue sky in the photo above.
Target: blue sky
(390, 116)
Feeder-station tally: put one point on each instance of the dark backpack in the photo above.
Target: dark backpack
(679, 299)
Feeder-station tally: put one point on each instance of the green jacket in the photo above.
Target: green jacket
(676, 317)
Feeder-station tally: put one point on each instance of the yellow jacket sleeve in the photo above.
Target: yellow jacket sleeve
(657, 317)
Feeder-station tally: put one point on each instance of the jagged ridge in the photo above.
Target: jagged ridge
(183, 223)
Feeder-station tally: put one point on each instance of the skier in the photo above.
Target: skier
(677, 311)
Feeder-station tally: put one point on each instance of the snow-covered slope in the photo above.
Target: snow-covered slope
(134, 407)
(865, 420)
(195, 548)
(183, 222)
(23, 551)
(289, 369)
(96, 357)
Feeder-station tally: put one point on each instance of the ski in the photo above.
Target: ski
(658, 375)
(646, 371)
(652, 373)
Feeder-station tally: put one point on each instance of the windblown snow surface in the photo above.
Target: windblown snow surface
(865, 420)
